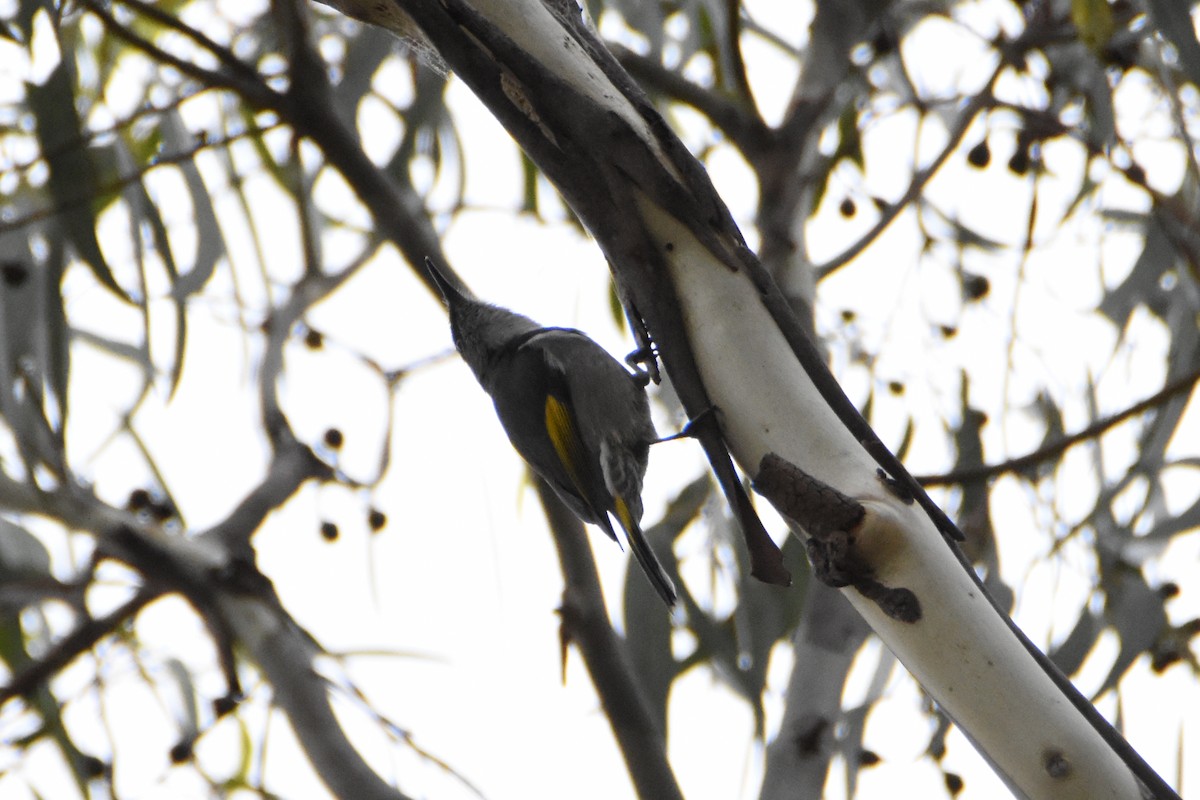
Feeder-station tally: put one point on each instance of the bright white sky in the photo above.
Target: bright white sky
(451, 607)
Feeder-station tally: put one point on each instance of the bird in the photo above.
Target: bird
(572, 411)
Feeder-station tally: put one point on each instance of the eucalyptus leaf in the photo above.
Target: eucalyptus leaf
(22, 555)
(210, 241)
(73, 185)
(181, 677)
(146, 216)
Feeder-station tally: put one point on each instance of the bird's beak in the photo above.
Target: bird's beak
(447, 283)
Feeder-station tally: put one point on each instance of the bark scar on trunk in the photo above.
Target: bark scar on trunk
(832, 520)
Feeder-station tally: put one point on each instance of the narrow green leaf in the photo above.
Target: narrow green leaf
(765, 614)
(529, 193)
(1094, 21)
(25, 12)
(849, 137)
(210, 241)
(614, 305)
(145, 210)
(910, 429)
(56, 351)
(820, 181)
(73, 185)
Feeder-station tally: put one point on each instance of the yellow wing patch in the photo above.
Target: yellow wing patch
(566, 442)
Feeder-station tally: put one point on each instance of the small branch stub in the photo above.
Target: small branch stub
(831, 520)
(817, 506)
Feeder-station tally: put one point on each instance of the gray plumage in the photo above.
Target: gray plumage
(572, 411)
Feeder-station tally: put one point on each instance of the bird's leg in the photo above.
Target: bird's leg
(644, 360)
(644, 363)
(637, 361)
(691, 429)
(766, 559)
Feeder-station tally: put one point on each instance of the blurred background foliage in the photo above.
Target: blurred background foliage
(988, 212)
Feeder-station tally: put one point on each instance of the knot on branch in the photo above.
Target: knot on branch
(800, 497)
(831, 520)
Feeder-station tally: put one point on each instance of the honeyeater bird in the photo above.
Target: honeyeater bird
(572, 411)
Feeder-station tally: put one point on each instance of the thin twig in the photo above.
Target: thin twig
(254, 91)
(1056, 449)
(977, 103)
(742, 125)
(585, 624)
(132, 178)
(733, 25)
(222, 53)
(83, 638)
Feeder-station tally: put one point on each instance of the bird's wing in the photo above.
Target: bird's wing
(555, 447)
(535, 409)
(589, 472)
(565, 438)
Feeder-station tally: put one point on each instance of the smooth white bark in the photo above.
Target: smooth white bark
(961, 650)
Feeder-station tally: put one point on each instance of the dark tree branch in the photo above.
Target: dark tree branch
(1056, 449)
(285, 653)
(743, 127)
(253, 90)
(398, 211)
(292, 465)
(223, 54)
(585, 624)
(127, 180)
(237, 604)
(826, 644)
(83, 638)
(733, 25)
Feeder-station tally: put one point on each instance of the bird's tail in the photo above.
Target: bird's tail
(645, 556)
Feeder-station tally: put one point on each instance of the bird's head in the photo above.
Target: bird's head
(481, 331)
